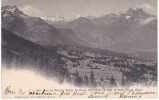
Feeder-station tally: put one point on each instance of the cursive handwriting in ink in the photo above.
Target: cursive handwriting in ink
(8, 90)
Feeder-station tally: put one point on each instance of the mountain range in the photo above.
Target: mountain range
(35, 29)
(133, 32)
(127, 31)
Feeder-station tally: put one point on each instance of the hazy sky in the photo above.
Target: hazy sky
(72, 8)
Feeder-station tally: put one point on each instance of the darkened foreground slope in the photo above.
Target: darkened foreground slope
(18, 52)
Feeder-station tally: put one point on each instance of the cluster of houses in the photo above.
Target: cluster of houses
(84, 59)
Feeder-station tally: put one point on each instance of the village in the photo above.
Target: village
(107, 70)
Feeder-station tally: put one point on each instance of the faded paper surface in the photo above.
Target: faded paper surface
(20, 84)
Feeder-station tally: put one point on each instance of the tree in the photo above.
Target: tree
(76, 74)
(74, 65)
(101, 79)
(112, 81)
(92, 79)
(66, 76)
(120, 70)
(122, 81)
(78, 79)
(86, 80)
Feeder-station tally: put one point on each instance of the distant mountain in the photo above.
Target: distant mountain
(146, 55)
(79, 16)
(133, 30)
(34, 28)
(57, 19)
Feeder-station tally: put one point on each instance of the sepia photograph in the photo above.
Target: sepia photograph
(79, 49)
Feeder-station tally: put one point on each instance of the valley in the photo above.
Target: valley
(97, 52)
(120, 67)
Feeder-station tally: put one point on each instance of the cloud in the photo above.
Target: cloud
(147, 6)
(32, 11)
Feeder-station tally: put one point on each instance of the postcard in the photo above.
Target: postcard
(79, 49)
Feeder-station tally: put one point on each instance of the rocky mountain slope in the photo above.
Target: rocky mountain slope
(35, 29)
(131, 31)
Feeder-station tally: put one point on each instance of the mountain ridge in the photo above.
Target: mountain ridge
(101, 29)
(133, 30)
(34, 29)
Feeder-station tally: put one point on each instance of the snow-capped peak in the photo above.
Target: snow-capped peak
(90, 17)
(147, 21)
(54, 19)
(9, 8)
(137, 13)
(59, 18)
(80, 16)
